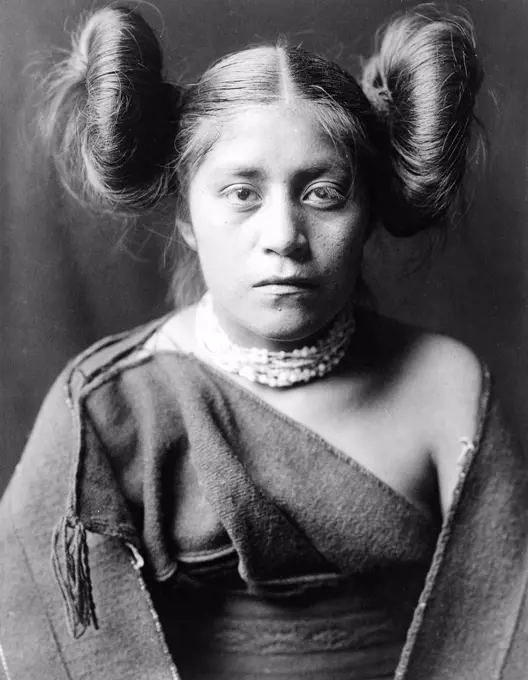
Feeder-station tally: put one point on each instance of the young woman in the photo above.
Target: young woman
(271, 481)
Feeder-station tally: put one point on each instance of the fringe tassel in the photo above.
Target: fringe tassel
(72, 571)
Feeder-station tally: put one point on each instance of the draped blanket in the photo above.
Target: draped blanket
(84, 611)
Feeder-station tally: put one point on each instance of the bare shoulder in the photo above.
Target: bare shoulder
(447, 367)
(430, 364)
(435, 383)
(451, 377)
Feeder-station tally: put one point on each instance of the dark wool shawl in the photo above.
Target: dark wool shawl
(471, 620)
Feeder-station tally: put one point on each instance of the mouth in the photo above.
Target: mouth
(286, 286)
(293, 283)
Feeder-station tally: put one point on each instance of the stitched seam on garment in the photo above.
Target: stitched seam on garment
(144, 332)
(445, 534)
(112, 370)
(136, 565)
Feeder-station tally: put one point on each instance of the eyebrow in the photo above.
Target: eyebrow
(246, 173)
(314, 171)
(308, 173)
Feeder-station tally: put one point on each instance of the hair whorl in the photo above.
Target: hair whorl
(110, 119)
(422, 82)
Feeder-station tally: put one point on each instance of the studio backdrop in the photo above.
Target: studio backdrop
(68, 278)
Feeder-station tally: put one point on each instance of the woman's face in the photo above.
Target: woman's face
(278, 228)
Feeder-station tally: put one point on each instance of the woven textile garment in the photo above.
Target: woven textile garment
(154, 479)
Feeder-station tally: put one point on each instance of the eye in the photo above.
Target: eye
(242, 196)
(325, 196)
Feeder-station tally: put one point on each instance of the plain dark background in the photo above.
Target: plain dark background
(67, 278)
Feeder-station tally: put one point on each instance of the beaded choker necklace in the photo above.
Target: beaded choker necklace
(276, 369)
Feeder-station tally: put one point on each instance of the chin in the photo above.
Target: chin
(287, 327)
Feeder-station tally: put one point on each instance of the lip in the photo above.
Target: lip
(290, 282)
(286, 286)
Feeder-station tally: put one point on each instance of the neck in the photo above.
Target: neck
(244, 337)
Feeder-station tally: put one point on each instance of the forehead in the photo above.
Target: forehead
(274, 138)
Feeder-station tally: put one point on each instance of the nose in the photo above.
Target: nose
(283, 228)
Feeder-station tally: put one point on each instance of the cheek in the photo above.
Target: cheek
(206, 222)
(220, 251)
(340, 245)
(219, 232)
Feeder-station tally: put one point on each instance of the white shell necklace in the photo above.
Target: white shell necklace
(276, 369)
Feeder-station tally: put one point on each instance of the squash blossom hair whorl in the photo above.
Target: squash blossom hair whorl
(422, 82)
(110, 119)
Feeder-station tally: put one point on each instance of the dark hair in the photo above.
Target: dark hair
(109, 118)
(125, 139)
(423, 80)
